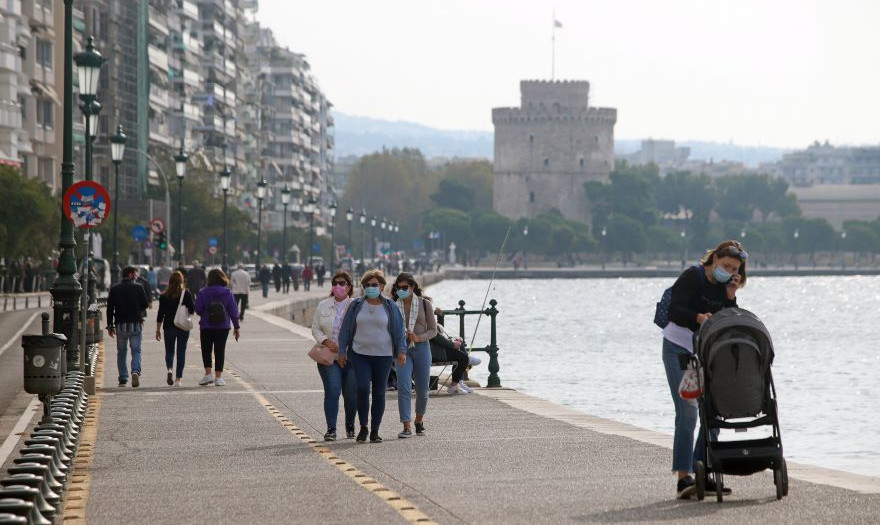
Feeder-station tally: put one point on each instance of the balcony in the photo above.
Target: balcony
(159, 98)
(13, 7)
(158, 58)
(9, 58)
(158, 21)
(10, 115)
(190, 10)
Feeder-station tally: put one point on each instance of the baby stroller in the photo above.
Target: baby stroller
(735, 352)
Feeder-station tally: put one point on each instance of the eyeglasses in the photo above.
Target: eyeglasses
(733, 251)
(371, 284)
(403, 287)
(340, 283)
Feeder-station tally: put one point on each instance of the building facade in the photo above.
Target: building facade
(823, 163)
(546, 149)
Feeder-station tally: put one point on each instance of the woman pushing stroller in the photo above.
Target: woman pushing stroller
(699, 292)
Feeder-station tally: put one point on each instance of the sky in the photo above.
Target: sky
(778, 73)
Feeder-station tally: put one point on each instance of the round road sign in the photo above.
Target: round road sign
(86, 204)
(139, 233)
(212, 250)
(157, 225)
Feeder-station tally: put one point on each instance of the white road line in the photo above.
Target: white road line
(17, 334)
(23, 422)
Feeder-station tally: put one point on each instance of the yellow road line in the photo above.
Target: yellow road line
(77, 495)
(403, 506)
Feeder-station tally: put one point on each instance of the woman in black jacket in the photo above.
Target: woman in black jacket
(699, 292)
(168, 302)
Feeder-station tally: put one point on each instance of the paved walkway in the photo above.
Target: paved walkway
(251, 452)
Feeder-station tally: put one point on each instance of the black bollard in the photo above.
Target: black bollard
(36, 482)
(29, 494)
(38, 465)
(12, 519)
(20, 507)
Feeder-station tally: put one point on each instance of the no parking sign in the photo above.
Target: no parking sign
(86, 204)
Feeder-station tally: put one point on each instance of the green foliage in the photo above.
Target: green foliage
(29, 218)
(454, 194)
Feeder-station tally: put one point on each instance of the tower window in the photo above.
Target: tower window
(531, 138)
(582, 162)
(546, 161)
(531, 196)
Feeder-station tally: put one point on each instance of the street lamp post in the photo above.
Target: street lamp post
(526, 235)
(285, 201)
(117, 152)
(382, 224)
(363, 219)
(310, 209)
(261, 194)
(842, 249)
(604, 248)
(349, 216)
(683, 248)
(333, 236)
(797, 234)
(225, 179)
(180, 167)
(373, 238)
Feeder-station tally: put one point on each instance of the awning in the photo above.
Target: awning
(5, 160)
(44, 90)
(42, 30)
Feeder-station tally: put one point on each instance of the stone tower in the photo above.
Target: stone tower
(546, 149)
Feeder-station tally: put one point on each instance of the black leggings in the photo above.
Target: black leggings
(462, 359)
(214, 339)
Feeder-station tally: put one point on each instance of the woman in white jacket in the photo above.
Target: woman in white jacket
(325, 330)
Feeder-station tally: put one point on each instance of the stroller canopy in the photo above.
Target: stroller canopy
(736, 351)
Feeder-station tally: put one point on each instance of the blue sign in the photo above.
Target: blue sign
(139, 233)
(213, 241)
(316, 248)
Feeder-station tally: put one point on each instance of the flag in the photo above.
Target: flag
(557, 23)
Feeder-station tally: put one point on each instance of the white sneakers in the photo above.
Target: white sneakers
(207, 380)
(219, 382)
(456, 388)
(466, 388)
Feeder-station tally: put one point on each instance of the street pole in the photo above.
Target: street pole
(333, 237)
(363, 219)
(261, 194)
(285, 201)
(225, 178)
(117, 152)
(349, 215)
(180, 167)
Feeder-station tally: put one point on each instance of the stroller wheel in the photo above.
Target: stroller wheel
(719, 491)
(700, 473)
(780, 479)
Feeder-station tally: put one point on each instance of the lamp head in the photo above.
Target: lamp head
(261, 189)
(333, 210)
(117, 145)
(225, 179)
(349, 215)
(88, 65)
(180, 163)
(285, 195)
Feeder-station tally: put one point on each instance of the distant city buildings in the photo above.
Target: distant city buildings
(668, 157)
(823, 163)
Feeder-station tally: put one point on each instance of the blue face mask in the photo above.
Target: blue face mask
(371, 292)
(403, 294)
(720, 275)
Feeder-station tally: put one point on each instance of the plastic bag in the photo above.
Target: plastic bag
(691, 384)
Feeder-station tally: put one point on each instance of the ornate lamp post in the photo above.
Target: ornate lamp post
(396, 231)
(285, 201)
(604, 249)
(333, 237)
(310, 209)
(117, 152)
(363, 219)
(382, 224)
(261, 194)
(843, 249)
(526, 235)
(797, 234)
(683, 248)
(180, 167)
(349, 216)
(225, 179)
(373, 238)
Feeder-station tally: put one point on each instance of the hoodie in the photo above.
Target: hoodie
(220, 294)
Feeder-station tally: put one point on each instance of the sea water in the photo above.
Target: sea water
(590, 344)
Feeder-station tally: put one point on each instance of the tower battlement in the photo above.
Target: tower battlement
(571, 94)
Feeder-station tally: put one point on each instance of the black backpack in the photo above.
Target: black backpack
(216, 312)
(661, 311)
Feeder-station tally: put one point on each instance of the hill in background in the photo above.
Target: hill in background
(364, 135)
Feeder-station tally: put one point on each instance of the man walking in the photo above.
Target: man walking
(125, 304)
(241, 287)
(195, 279)
(265, 276)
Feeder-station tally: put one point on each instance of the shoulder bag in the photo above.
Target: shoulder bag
(182, 318)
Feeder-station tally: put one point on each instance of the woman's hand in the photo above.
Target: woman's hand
(158, 335)
(733, 286)
(412, 336)
(332, 345)
(701, 318)
(401, 358)
(235, 333)
(341, 361)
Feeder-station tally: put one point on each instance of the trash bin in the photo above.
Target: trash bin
(44, 363)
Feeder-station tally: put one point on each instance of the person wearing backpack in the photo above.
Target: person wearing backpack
(699, 292)
(217, 314)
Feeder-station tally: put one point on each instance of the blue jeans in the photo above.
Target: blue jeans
(416, 370)
(684, 453)
(172, 335)
(370, 369)
(265, 289)
(337, 379)
(128, 334)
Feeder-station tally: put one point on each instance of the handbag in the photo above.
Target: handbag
(182, 318)
(322, 355)
(691, 385)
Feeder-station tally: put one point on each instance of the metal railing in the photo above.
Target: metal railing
(492, 348)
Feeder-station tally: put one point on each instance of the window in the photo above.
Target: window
(582, 162)
(44, 53)
(531, 196)
(531, 138)
(546, 161)
(45, 113)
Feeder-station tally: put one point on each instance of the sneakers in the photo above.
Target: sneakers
(711, 487)
(374, 437)
(405, 433)
(170, 378)
(219, 382)
(122, 383)
(349, 432)
(135, 380)
(467, 389)
(362, 435)
(207, 380)
(686, 487)
(177, 383)
(330, 435)
(420, 429)
(456, 388)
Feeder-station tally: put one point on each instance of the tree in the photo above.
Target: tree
(454, 194)
(476, 175)
(630, 192)
(683, 193)
(29, 217)
(625, 235)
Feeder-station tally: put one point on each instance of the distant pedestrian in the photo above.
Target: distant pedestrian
(420, 326)
(217, 314)
(195, 279)
(325, 329)
(371, 336)
(319, 274)
(126, 303)
(295, 274)
(153, 277)
(168, 303)
(307, 277)
(276, 277)
(241, 289)
(286, 272)
(265, 276)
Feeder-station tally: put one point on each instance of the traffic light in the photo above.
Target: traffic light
(161, 241)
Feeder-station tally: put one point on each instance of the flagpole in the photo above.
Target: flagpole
(553, 59)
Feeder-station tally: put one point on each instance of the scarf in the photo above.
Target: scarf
(413, 307)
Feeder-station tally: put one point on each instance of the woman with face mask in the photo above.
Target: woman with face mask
(325, 329)
(421, 326)
(699, 292)
(371, 337)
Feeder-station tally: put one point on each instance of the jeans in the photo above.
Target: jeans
(337, 379)
(172, 335)
(128, 334)
(416, 370)
(214, 339)
(241, 299)
(265, 289)
(684, 454)
(370, 369)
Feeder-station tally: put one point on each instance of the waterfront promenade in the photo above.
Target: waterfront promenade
(252, 452)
